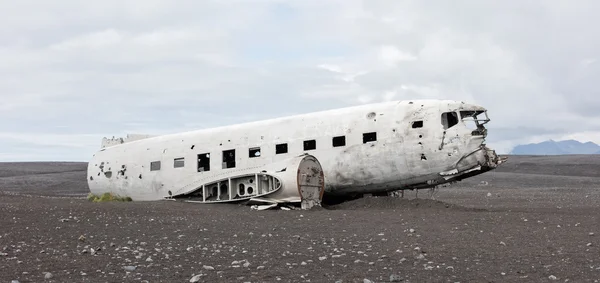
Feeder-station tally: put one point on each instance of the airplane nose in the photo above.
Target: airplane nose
(493, 160)
(484, 158)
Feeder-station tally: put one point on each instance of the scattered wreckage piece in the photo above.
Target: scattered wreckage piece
(264, 206)
(275, 206)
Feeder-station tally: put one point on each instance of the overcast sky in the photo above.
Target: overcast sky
(72, 72)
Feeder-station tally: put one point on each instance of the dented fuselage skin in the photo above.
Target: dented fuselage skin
(387, 147)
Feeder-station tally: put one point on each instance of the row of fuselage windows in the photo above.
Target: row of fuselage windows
(254, 152)
(282, 148)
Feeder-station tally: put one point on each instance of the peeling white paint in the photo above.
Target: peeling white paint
(412, 149)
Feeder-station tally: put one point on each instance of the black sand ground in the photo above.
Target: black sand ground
(535, 219)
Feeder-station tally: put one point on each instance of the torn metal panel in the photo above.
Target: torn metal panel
(264, 207)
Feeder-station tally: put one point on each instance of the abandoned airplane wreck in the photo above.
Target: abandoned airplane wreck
(303, 159)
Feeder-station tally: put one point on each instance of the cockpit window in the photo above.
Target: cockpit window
(469, 113)
(449, 120)
(475, 120)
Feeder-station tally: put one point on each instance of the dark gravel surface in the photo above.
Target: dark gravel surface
(44, 178)
(524, 223)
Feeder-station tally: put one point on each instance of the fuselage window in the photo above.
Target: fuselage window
(369, 137)
(417, 124)
(254, 152)
(154, 165)
(203, 162)
(449, 120)
(310, 144)
(281, 148)
(339, 141)
(228, 158)
(179, 162)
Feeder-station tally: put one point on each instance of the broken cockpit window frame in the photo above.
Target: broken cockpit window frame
(475, 120)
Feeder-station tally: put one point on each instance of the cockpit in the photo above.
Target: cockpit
(472, 119)
(475, 120)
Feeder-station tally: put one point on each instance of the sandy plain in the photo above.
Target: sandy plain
(534, 219)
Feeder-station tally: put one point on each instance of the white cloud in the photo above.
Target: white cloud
(585, 136)
(95, 40)
(62, 140)
(391, 55)
(587, 62)
(111, 67)
(331, 68)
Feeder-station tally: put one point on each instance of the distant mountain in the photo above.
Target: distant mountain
(557, 148)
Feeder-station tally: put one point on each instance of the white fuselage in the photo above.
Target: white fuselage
(363, 149)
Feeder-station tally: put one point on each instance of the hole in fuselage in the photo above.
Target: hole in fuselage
(423, 157)
(224, 190)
